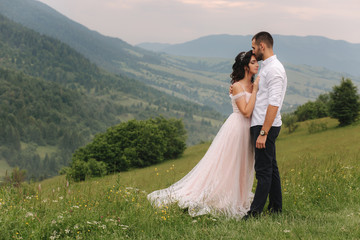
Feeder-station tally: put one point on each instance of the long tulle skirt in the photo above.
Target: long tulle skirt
(221, 182)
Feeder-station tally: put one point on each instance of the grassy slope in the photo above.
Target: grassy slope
(320, 190)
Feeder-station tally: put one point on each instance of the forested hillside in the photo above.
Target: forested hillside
(39, 113)
(54, 100)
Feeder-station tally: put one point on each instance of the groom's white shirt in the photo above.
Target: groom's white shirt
(272, 87)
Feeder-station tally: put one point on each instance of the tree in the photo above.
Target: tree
(290, 121)
(314, 110)
(344, 102)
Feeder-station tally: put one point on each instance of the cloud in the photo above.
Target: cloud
(310, 13)
(175, 21)
(218, 4)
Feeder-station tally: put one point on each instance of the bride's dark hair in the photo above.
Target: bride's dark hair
(242, 60)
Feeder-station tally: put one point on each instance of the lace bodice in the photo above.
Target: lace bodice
(239, 95)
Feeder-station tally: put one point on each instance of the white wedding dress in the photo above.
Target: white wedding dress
(221, 182)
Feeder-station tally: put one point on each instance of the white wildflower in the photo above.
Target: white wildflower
(124, 226)
(29, 214)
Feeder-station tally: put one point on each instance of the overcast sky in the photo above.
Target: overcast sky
(177, 21)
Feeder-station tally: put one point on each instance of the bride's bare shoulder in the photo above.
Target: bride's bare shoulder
(237, 86)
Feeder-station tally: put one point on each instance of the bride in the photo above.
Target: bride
(221, 182)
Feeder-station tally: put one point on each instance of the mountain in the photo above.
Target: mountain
(154, 46)
(214, 46)
(54, 100)
(337, 55)
(105, 51)
(204, 80)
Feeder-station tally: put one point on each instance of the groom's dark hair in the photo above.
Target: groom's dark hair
(264, 37)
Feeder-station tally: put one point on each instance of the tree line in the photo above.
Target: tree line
(342, 103)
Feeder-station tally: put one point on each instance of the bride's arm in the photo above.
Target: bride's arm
(246, 108)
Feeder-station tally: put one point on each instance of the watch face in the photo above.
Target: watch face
(262, 132)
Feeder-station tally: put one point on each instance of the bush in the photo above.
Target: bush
(78, 171)
(174, 136)
(131, 144)
(64, 170)
(313, 110)
(95, 168)
(315, 127)
(16, 178)
(289, 120)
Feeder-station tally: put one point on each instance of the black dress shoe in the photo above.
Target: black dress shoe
(275, 211)
(251, 214)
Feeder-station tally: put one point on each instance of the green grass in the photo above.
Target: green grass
(320, 180)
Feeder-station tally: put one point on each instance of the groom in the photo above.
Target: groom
(265, 125)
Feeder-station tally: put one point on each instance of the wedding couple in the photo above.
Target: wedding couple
(222, 181)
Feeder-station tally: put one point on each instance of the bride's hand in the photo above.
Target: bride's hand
(256, 84)
(231, 89)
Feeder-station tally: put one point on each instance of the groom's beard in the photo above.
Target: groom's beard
(259, 56)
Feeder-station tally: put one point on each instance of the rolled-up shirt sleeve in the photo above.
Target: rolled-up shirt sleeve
(276, 85)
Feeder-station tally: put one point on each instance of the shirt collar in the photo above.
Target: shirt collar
(268, 60)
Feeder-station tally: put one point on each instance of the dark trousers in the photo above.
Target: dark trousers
(267, 173)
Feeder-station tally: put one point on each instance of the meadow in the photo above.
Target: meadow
(320, 181)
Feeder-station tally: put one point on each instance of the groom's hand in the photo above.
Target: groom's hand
(260, 141)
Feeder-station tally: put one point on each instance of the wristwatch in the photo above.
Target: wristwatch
(263, 133)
